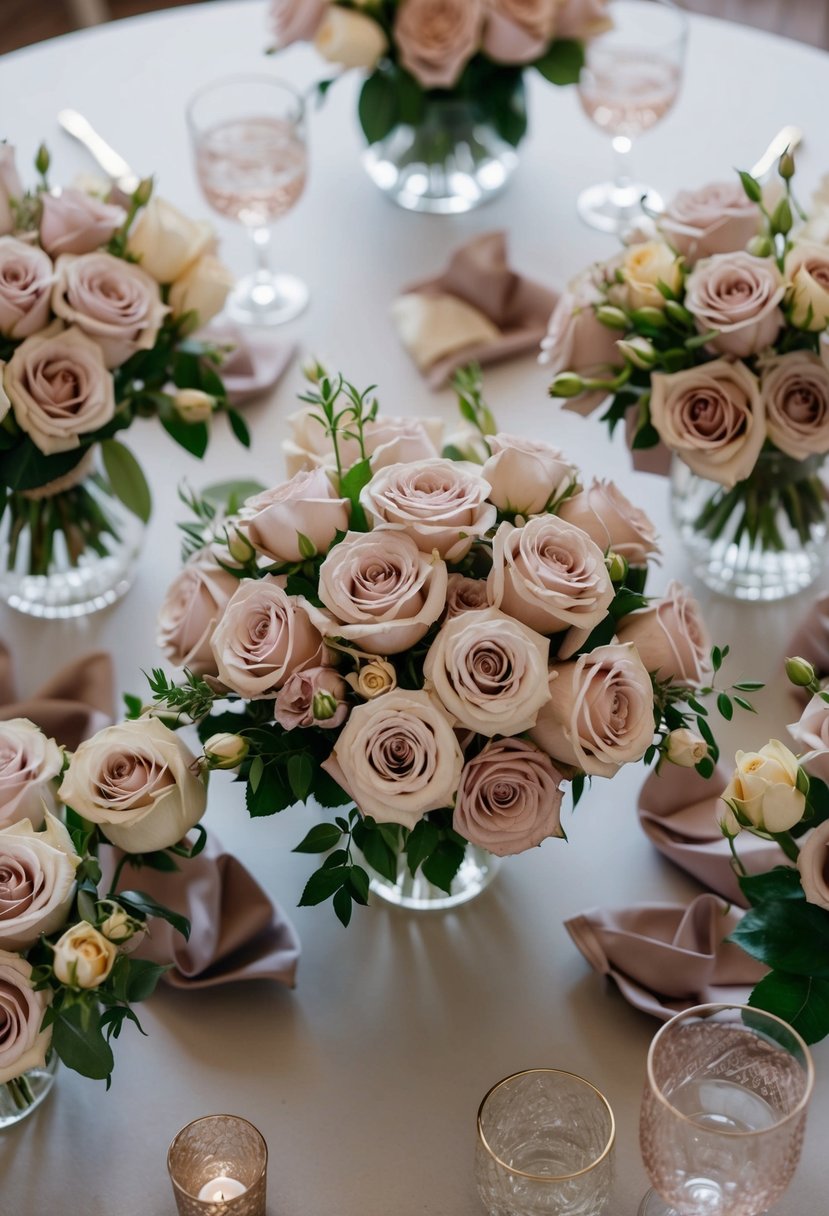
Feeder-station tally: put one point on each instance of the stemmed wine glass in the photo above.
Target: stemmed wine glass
(249, 144)
(629, 82)
(724, 1112)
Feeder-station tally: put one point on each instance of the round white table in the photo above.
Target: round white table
(366, 1079)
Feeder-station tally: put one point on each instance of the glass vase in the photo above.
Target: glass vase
(19, 1098)
(416, 893)
(763, 539)
(68, 548)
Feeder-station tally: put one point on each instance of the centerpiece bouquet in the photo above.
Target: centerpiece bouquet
(707, 342)
(99, 301)
(440, 644)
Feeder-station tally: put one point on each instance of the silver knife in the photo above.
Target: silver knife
(786, 137)
(115, 167)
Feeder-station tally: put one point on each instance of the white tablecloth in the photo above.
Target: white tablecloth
(366, 1079)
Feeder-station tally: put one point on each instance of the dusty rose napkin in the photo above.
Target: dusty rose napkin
(811, 642)
(665, 957)
(75, 703)
(253, 366)
(513, 310)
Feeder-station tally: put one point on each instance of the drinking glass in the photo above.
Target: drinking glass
(249, 144)
(724, 1112)
(545, 1146)
(629, 82)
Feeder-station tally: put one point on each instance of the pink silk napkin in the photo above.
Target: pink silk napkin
(72, 706)
(254, 365)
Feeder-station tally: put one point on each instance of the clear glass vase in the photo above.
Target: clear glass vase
(763, 539)
(19, 1098)
(69, 548)
(418, 894)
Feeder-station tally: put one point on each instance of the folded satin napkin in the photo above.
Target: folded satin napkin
(253, 366)
(477, 310)
(71, 706)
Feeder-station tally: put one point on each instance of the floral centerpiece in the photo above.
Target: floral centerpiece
(443, 98)
(444, 644)
(99, 299)
(707, 341)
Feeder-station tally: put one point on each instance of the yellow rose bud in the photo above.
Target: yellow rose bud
(192, 405)
(83, 957)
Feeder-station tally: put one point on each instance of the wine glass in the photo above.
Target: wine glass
(724, 1112)
(249, 145)
(629, 82)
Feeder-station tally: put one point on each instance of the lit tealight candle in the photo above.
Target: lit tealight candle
(218, 1190)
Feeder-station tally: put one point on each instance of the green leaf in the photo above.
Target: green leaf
(134, 706)
(327, 792)
(82, 1047)
(725, 707)
(239, 427)
(24, 467)
(442, 866)
(563, 62)
(322, 885)
(192, 436)
(753, 189)
(343, 905)
(145, 905)
(321, 838)
(272, 795)
(422, 842)
(800, 1000)
(300, 775)
(783, 882)
(224, 493)
(127, 478)
(787, 935)
(142, 978)
(257, 768)
(358, 884)
(376, 851)
(378, 108)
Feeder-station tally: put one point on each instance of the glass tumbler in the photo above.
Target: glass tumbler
(218, 1167)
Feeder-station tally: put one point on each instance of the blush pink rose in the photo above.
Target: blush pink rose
(712, 418)
(807, 269)
(509, 798)
(526, 475)
(739, 295)
(813, 866)
(23, 1045)
(717, 218)
(387, 441)
(518, 31)
(436, 38)
(612, 521)
(296, 20)
(577, 342)
(465, 595)
(26, 278)
(37, 881)
(191, 610)
(811, 731)
(316, 696)
(600, 712)
(795, 389)
(672, 639)
(11, 188)
(582, 19)
(29, 767)
(75, 222)
(306, 505)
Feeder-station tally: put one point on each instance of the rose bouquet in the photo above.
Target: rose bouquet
(444, 644)
(707, 341)
(99, 298)
(68, 977)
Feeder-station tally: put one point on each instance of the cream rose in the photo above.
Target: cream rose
(811, 731)
(440, 504)
(350, 39)
(436, 38)
(307, 505)
(387, 441)
(509, 798)
(313, 697)
(717, 218)
(672, 639)
(23, 1045)
(37, 881)
(526, 475)
(807, 269)
(167, 242)
(577, 342)
(262, 638)
(296, 20)
(26, 278)
(139, 782)
(685, 748)
(192, 608)
(76, 222)
(29, 766)
(813, 866)
(373, 679)
(465, 595)
(795, 389)
(518, 31)
(712, 417)
(83, 957)
(612, 521)
(738, 295)
(225, 751)
(193, 405)
(397, 757)
(764, 790)
(600, 712)
(646, 265)
(11, 188)
(202, 289)
(489, 672)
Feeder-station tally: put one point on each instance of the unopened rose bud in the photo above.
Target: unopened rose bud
(730, 825)
(785, 166)
(649, 316)
(800, 673)
(684, 748)
(612, 317)
(313, 370)
(617, 567)
(225, 750)
(639, 351)
(323, 705)
(192, 405)
(83, 957)
(760, 247)
(42, 160)
(143, 192)
(239, 547)
(781, 218)
(566, 384)
(678, 313)
(123, 930)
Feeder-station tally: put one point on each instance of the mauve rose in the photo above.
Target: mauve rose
(190, 612)
(29, 766)
(381, 591)
(712, 417)
(795, 389)
(298, 700)
(717, 218)
(813, 866)
(26, 278)
(577, 342)
(59, 387)
(489, 672)
(113, 301)
(23, 1045)
(518, 31)
(295, 20)
(307, 504)
(397, 757)
(263, 637)
(600, 712)
(11, 188)
(465, 595)
(525, 475)
(387, 440)
(582, 19)
(672, 639)
(436, 38)
(37, 881)
(612, 521)
(76, 222)
(440, 504)
(739, 295)
(807, 269)
(811, 731)
(509, 798)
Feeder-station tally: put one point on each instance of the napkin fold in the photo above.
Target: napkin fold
(478, 309)
(253, 366)
(71, 706)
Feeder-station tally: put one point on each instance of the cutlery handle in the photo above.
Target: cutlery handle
(106, 157)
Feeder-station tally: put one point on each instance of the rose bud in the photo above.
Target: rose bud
(225, 750)
(373, 679)
(800, 672)
(192, 405)
(124, 930)
(684, 748)
(83, 957)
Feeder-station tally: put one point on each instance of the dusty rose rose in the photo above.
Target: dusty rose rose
(313, 697)
(26, 278)
(525, 475)
(76, 222)
(397, 757)
(263, 637)
(712, 417)
(795, 389)
(306, 505)
(388, 441)
(59, 388)
(739, 295)
(382, 593)
(600, 713)
(23, 1045)
(11, 188)
(672, 639)
(550, 575)
(296, 20)
(191, 610)
(436, 38)
(577, 342)
(612, 521)
(582, 19)
(489, 672)
(518, 31)
(811, 731)
(29, 766)
(807, 268)
(813, 865)
(113, 301)
(716, 218)
(37, 881)
(440, 504)
(465, 595)
(509, 798)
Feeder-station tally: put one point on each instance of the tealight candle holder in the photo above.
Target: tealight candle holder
(218, 1167)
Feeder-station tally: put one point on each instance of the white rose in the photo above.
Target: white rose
(23, 1045)
(37, 881)
(29, 766)
(83, 957)
(350, 39)
(685, 748)
(764, 789)
(166, 242)
(807, 269)
(203, 289)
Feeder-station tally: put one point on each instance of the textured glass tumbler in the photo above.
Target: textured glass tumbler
(724, 1112)
(208, 1161)
(545, 1146)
